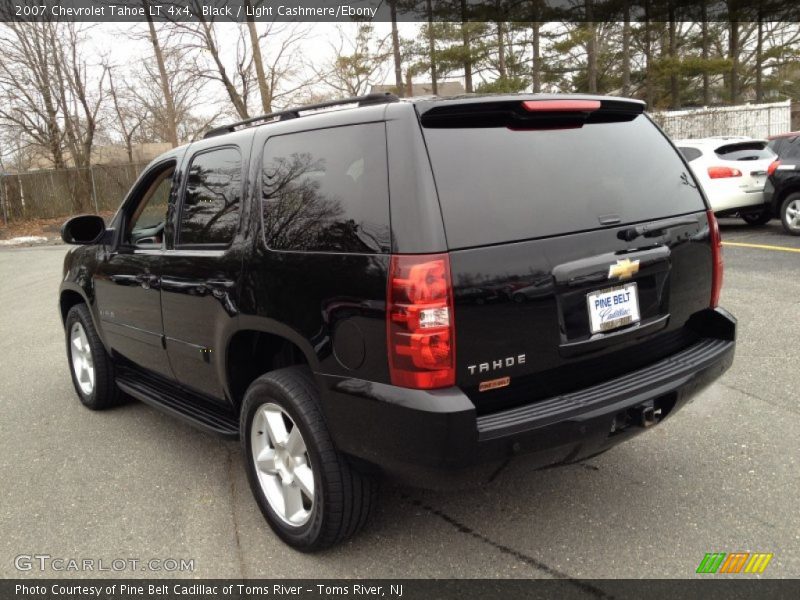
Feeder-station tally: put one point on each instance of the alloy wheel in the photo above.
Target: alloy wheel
(82, 361)
(282, 464)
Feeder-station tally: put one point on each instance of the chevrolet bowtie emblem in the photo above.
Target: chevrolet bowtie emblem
(624, 269)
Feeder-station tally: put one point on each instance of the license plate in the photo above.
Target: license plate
(613, 307)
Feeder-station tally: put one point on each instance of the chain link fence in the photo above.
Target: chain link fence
(63, 192)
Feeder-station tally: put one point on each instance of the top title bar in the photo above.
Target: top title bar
(239, 11)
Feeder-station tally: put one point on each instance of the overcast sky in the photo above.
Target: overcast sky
(118, 42)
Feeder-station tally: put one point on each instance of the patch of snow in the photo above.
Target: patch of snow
(25, 239)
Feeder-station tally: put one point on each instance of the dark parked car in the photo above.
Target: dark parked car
(783, 186)
(305, 281)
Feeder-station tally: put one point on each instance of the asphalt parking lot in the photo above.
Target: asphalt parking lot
(721, 476)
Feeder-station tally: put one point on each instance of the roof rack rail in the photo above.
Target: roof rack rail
(294, 113)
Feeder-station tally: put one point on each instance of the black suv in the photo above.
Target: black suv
(782, 191)
(417, 288)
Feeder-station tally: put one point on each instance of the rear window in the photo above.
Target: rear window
(497, 185)
(745, 151)
(327, 190)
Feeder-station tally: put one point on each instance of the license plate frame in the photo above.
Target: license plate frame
(602, 318)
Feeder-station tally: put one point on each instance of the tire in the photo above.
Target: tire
(101, 392)
(790, 214)
(342, 497)
(757, 219)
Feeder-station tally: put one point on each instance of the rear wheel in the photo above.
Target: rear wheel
(790, 214)
(757, 219)
(90, 365)
(311, 495)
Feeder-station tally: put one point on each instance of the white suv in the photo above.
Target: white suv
(733, 172)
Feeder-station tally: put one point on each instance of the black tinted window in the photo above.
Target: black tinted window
(210, 212)
(793, 148)
(690, 153)
(745, 151)
(498, 185)
(786, 147)
(326, 190)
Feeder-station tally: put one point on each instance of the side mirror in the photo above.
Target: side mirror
(83, 230)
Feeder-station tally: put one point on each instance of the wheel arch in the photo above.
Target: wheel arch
(259, 346)
(779, 198)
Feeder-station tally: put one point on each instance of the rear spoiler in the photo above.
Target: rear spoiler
(529, 112)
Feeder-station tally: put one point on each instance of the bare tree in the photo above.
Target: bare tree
(171, 122)
(52, 95)
(258, 62)
(144, 91)
(254, 60)
(29, 107)
(358, 61)
(129, 115)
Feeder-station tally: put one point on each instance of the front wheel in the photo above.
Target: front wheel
(790, 214)
(90, 365)
(311, 495)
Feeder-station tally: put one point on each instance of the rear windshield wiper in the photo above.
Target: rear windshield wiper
(654, 229)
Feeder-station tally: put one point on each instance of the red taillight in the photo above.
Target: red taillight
(420, 331)
(772, 167)
(561, 105)
(723, 172)
(716, 258)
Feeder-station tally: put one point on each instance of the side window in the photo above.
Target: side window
(778, 146)
(211, 200)
(793, 151)
(327, 190)
(145, 224)
(690, 154)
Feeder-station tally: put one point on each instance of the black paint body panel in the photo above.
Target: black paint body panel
(169, 314)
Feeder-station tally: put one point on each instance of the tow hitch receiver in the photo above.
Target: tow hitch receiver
(646, 416)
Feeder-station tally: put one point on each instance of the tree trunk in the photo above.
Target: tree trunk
(467, 48)
(591, 59)
(591, 50)
(626, 52)
(705, 42)
(263, 88)
(432, 47)
(398, 66)
(674, 81)
(536, 64)
(235, 97)
(733, 52)
(501, 50)
(169, 103)
(649, 93)
(760, 58)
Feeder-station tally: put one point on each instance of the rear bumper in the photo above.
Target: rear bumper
(435, 439)
(740, 201)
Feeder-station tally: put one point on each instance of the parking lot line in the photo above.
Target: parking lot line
(761, 246)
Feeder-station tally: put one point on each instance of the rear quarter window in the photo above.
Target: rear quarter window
(499, 185)
(690, 154)
(327, 190)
